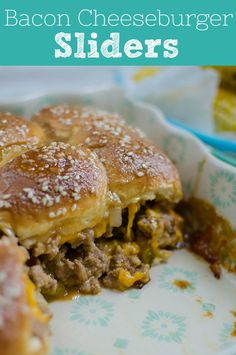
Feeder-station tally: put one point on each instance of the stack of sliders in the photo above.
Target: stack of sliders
(85, 201)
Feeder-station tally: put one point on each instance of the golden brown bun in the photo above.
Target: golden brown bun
(23, 326)
(54, 190)
(58, 121)
(17, 135)
(137, 170)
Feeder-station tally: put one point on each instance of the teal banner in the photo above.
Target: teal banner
(163, 32)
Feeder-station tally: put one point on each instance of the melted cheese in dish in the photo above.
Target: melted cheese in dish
(132, 210)
(127, 280)
(32, 302)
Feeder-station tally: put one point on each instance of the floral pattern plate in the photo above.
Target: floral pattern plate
(184, 310)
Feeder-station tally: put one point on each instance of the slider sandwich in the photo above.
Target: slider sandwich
(85, 201)
(139, 226)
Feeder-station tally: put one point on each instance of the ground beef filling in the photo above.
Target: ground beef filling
(208, 235)
(113, 262)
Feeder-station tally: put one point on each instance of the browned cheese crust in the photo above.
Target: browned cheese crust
(57, 189)
(17, 135)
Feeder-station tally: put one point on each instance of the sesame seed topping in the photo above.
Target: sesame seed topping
(69, 172)
(66, 121)
(4, 204)
(140, 173)
(74, 207)
(17, 130)
(5, 197)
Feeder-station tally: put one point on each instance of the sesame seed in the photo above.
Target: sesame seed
(140, 173)
(74, 207)
(6, 196)
(76, 196)
(57, 199)
(4, 204)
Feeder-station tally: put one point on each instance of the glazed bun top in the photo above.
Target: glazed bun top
(58, 121)
(17, 135)
(137, 170)
(56, 189)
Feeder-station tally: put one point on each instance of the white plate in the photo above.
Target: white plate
(160, 318)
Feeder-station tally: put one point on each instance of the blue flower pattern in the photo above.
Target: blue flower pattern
(121, 343)
(68, 351)
(226, 337)
(208, 307)
(223, 189)
(171, 276)
(164, 326)
(92, 311)
(134, 294)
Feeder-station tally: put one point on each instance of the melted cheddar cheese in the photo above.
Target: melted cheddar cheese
(32, 301)
(127, 280)
(132, 210)
(100, 228)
